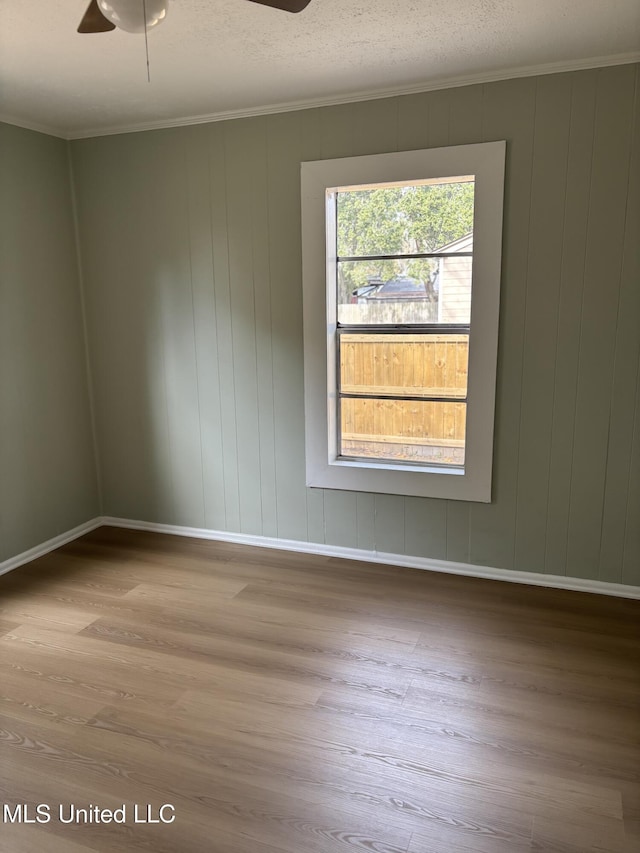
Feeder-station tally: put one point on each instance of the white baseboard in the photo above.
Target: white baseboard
(425, 563)
(49, 545)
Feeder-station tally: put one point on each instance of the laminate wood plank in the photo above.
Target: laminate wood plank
(564, 716)
(466, 836)
(31, 700)
(290, 627)
(69, 607)
(109, 782)
(513, 644)
(631, 811)
(176, 673)
(445, 720)
(456, 769)
(227, 761)
(229, 623)
(111, 682)
(23, 609)
(556, 836)
(164, 595)
(250, 658)
(350, 771)
(281, 820)
(26, 839)
(6, 626)
(287, 702)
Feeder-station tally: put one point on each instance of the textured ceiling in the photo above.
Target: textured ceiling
(232, 56)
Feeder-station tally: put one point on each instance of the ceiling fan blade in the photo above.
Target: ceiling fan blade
(285, 5)
(94, 21)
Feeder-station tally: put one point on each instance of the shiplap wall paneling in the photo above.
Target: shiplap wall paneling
(566, 447)
(312, 142)
(508, 113)
(460, 119)
(567, 343)
(201, 263)
(542, 293)
(264, 325)
(224, 331)
(413, 122)
(284, 150)
(173, 288)
(242, 151)
(48, 481)
(621, 513)
(115, 213)
(608, 200)
(425, 526)
(628, 363)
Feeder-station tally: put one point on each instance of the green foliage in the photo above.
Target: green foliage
(399, 220)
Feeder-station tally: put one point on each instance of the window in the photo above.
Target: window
(401, 271)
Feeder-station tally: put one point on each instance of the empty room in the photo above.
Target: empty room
(320, 426)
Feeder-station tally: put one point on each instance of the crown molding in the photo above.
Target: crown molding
(25, 124)
(329, 101)
(368, 95)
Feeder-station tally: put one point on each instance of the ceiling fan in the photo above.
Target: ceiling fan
(138, 16)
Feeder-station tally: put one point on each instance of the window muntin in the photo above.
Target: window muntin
(403, 260)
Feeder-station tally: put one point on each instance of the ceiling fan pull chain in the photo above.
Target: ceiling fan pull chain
(146, 41)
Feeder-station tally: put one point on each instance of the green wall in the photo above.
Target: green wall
(47, 466)
(190, 243)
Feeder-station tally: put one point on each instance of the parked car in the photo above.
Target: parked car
(400, 289)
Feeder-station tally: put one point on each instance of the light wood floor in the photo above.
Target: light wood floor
(293, 704)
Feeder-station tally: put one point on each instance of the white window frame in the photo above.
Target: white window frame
(324, 468)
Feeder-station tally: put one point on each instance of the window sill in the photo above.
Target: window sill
(372, 465)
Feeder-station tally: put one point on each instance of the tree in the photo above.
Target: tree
(399, 220)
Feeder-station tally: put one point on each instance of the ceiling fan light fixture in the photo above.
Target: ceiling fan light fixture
(129, 15)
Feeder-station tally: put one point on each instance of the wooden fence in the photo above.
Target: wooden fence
(404, 365)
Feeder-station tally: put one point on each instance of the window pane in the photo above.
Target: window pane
(425, 290)
(404, 365)
(421, 432)
(393, 220)
(372, 292)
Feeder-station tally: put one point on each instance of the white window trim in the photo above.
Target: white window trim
(323, 467)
